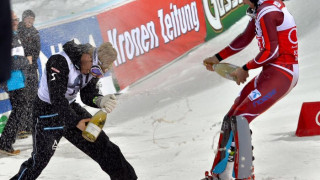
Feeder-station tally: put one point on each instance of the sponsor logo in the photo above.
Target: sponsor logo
(317, 118)
(142, 39)
(220, 9)
(53, 76)
(292, 36)
(55, 145)
(255, 94)
(178, 21)
(134, 42)
(264, 98)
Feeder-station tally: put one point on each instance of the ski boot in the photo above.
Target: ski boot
(211, 177)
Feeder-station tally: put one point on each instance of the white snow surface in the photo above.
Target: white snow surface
(167, 124)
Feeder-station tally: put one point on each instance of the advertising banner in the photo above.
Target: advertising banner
(5, 104)
(5, 108)
(149, 34)
(222, 14)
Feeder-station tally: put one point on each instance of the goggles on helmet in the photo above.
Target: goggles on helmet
(96, 70)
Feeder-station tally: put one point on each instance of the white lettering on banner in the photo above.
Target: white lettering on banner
(178, 21)
(134, 42)
(317, 118)
(221, 8)
(53, 50)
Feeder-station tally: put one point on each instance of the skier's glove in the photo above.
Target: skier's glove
(107, 102)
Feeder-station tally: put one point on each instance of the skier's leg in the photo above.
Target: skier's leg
(45, 141)
(8, 136)
(226, 129)
(270, 86)
(105, 153)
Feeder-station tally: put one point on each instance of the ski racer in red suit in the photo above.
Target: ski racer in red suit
(276, 32)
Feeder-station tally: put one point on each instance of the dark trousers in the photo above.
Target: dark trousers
(8, 136)
(47, 133)
(30, 93)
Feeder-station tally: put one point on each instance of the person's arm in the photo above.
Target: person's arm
(90, 92)
(37, 47)
(91, 97)
(57, 80)
(270, 51)
(32, 46)
(239, 43)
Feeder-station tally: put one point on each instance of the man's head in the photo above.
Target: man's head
(105, 55)
(15, 21)
(28, 18)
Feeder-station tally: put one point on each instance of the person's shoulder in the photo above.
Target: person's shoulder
(263, 6)
(266, 8)
(58, 61)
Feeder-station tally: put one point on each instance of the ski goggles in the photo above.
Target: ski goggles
(96, 70)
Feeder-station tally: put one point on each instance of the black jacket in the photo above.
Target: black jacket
(30, 40)
(19, 64)
(58, 87)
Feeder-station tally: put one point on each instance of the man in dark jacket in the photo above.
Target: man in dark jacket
(56, 114)
(30, 40)
(14, 86)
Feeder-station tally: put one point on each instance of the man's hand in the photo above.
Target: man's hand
(208, 62)
(29, 59)
(107, 102)
(241, 75)
(82, 124)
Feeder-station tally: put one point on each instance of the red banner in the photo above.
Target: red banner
(149, 34)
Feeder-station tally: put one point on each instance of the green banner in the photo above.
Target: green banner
(221, 15)
(3, 122)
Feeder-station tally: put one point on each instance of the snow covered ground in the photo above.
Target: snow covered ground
(166, 124)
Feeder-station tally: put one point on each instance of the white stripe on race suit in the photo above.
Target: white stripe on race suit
(267, 10)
